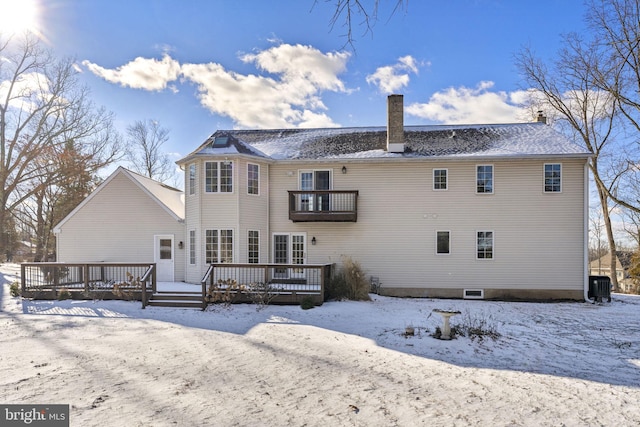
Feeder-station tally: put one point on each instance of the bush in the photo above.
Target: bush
(14, 289)
(348, 282)
(64, 294)
(479, 327)
(307, 303)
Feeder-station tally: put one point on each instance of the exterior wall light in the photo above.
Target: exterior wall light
(313, 241)
(344, 169)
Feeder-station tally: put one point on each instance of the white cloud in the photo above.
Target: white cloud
(141, 73)
(464, 105)
(392, 78)
(286, 94)
(26, 91)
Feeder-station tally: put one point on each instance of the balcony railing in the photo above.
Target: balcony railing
(323, 206)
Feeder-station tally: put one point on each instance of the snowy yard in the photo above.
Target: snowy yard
(341, 364)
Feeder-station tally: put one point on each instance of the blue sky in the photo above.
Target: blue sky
(199, 66)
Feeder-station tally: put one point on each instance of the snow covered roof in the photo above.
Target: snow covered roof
(438, 141)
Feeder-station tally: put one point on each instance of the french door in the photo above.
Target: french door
(289, 248)
(315, 181)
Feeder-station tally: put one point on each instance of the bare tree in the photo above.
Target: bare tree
(597, 247)
(616, 25)
(144, 151)
(581, 108)
(346, 11)
(43, 108)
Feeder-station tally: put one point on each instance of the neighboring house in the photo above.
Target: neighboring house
(478, 211)
(602, 267)
(128, 218)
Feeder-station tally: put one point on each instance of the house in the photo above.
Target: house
(602, 267)
(458, 211)
(128, 218)
(480, 211)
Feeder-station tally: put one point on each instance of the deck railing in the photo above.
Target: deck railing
(286, 283)
(323, 206)
(88, 280)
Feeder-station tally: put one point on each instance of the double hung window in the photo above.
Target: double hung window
(484, 179)
(553, 178)
(218, 177)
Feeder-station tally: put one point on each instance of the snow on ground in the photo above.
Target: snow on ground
(341, 364)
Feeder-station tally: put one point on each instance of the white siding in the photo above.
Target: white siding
(118, 224)
(237, 211)
(538, 237)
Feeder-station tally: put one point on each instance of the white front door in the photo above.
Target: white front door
(163, 257)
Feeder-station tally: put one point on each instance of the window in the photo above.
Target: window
(253, 179)
(192, 247)
(553, 178)
(218, 177)
(253, 245)
(165, 248)
(440, 179)
(219, 246)
(484, 179)
(484, 245)
(443, 244)
(192, 179)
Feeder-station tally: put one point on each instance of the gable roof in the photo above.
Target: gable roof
(437, 141)
(168, 198)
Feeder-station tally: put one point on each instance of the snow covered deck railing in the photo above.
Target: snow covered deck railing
(284, 283)
(323, 206)
(46, 280)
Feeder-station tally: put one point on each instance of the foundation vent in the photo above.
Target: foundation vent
(473, 294)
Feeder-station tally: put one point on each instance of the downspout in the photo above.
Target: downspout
(585, 239)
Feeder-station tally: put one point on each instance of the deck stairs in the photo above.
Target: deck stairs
(176, 299)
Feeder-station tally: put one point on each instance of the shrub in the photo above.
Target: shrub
(14, 289)
(261, 294)
(479, 327)
(307, 303)
(64, 294)
(349, 282)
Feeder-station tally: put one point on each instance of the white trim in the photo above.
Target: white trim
(156, 253)
(218, 172)
(433, 179)
(544, 178)
(259, 251)
(253, 164)
(493, 245)
(313, 173)
(233, 243)
(443, 253)
(493, 178)
(195, 246)
(289, 248)
(585, 236)
(473, 294)
(195, 179)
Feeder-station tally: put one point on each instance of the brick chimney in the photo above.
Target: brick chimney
(395, 124)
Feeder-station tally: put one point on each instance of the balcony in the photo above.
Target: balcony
(323, 206)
